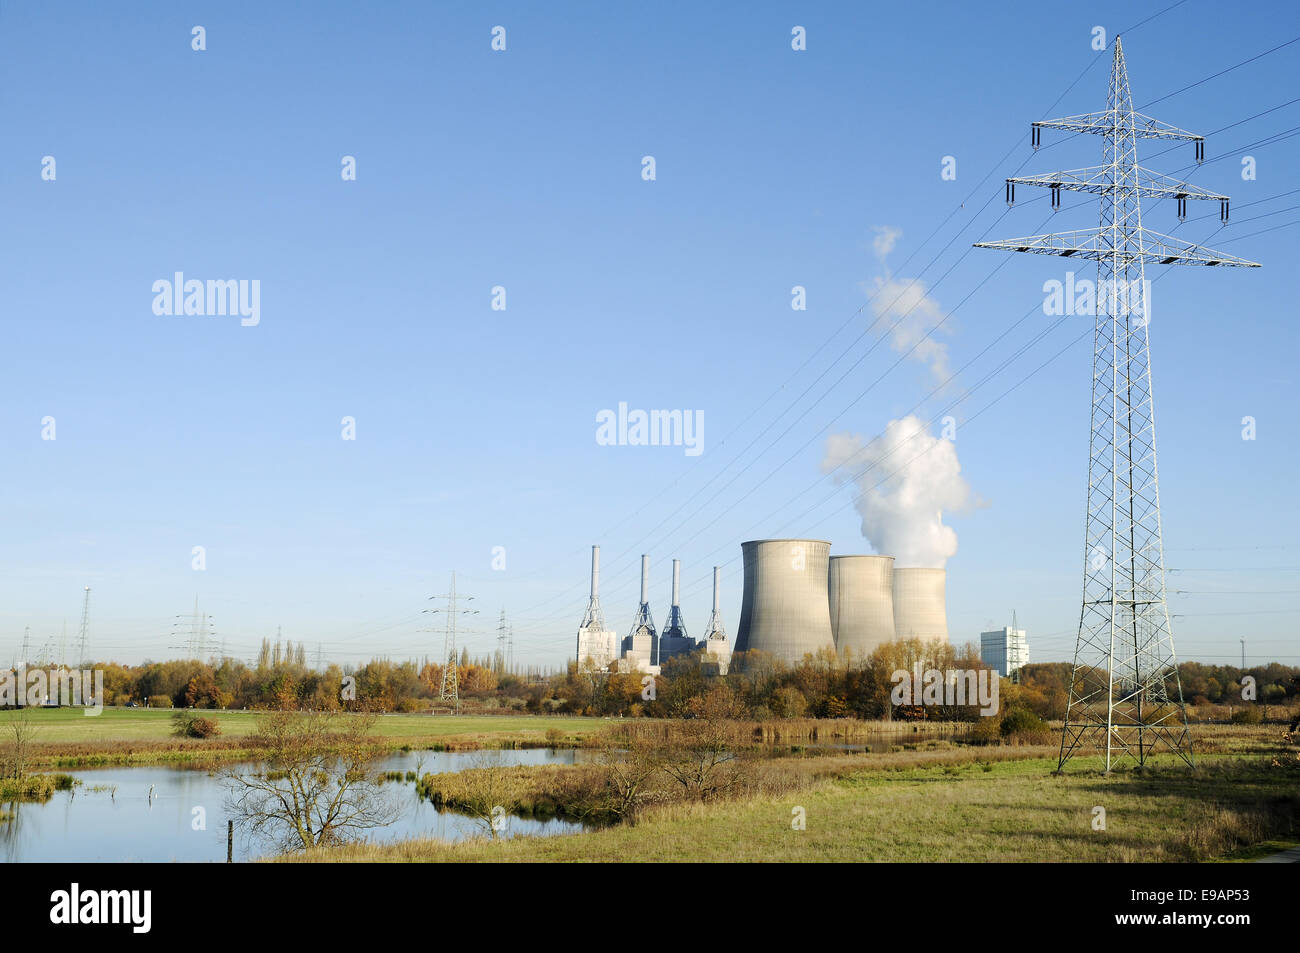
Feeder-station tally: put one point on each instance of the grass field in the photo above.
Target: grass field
(964, 810)
(65, 737)
(944, 802)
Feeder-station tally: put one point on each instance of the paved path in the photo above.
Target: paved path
(1291, 856)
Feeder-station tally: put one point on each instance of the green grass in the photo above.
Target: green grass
(66, 738)
(154, 724)
(965, 810)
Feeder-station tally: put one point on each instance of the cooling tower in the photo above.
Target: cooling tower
(919, 611)
(784, 610)
(862, 604)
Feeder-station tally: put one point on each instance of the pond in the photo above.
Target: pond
(87, 825)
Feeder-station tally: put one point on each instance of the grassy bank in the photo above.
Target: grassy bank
(955, 804)
(66, 738)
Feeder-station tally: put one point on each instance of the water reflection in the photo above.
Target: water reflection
(147, 813)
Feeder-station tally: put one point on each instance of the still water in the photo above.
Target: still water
(88, 825)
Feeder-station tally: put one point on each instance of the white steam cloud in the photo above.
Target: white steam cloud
(906, 479)
(902, 305)
(886, 237)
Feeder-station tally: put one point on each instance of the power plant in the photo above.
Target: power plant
(673, 639)
(785, 610)
(594, 641)
(798, 600)
(642, 643)
(919, 604)
(716, 647)
(861, 591)
(642, 649)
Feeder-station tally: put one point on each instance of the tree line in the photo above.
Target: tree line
(822, 686)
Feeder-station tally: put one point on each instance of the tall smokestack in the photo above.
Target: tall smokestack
(715, 644)
(594, 642)
(642, 643)
(673, 640)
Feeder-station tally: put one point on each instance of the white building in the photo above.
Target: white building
(1004, 650)
(596, 648)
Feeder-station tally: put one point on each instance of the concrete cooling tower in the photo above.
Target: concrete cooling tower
(919, 611)
(784, 610)
(861, 592)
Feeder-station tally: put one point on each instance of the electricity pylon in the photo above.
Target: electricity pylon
(1125, 693)
(450, 690)
(83, 640)
(200, 633)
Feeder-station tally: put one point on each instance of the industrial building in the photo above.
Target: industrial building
(785, 609)
(673, 640)
(861, 591)
(920, 605)
(594, 641)
(1005, 650)
(643, 648)
(641, 645)
(798, 600)
(717, 650)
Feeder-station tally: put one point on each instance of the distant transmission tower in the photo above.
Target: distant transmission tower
(450, 691)
(510, 651)
(84, 638)
(500, 659)
(1125, 693)
(200, 632)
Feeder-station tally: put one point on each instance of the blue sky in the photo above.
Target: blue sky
(522, 168)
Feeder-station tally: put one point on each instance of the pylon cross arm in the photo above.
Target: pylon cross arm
(1146, 246)
(1100, 123)
(1100, 180)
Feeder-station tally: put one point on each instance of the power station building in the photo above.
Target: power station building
(861, 591)
(644, 649)
(785, 609)
(798, 600)
(717, 650)
(919, 604)
(641, 645)
(595, 642)
(1005, 649)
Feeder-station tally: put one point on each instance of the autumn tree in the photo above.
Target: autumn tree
(315, 787)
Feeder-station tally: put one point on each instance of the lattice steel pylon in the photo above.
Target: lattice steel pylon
(1125, 692)
(450, 689)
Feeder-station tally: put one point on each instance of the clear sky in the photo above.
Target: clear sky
(522, 168)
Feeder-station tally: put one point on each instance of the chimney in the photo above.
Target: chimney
(677, 581)
(717, 577)
(595, 570)
(645, 579)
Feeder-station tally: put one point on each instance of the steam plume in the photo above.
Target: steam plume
(911, 479)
